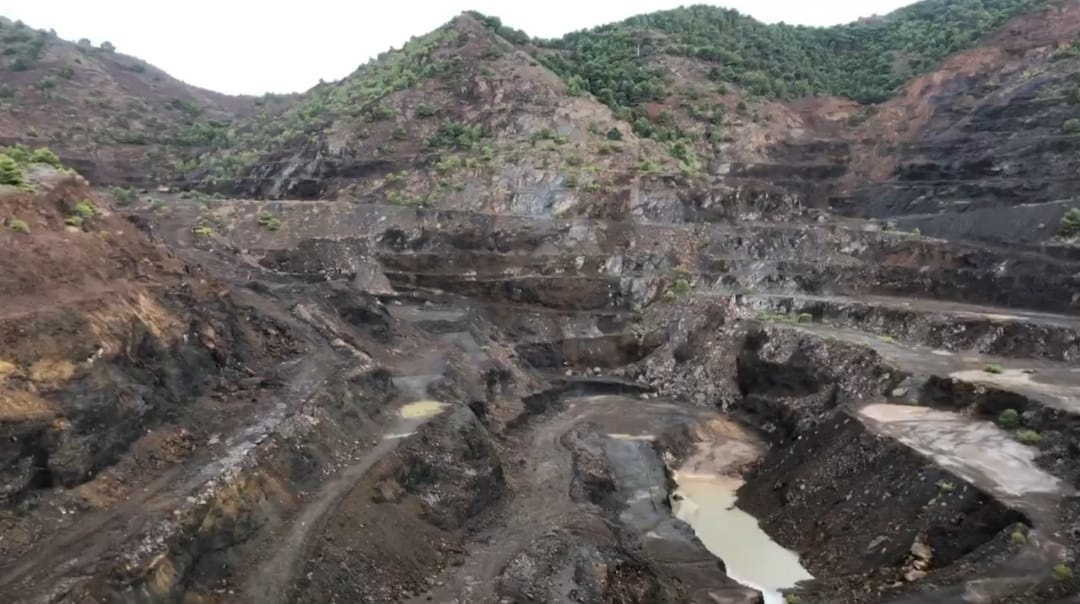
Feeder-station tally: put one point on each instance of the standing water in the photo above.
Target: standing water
(707, 503)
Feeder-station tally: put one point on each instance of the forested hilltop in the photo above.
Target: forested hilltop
(865, 61)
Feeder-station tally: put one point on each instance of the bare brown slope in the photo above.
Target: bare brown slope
(113, 355)
(114, 117)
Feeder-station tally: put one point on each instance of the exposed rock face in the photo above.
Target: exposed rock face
(974, 143)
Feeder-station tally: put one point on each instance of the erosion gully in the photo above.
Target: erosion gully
(571, 411)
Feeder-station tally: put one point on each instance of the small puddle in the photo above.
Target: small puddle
(621, 436)
(707, 503)
(422, 409)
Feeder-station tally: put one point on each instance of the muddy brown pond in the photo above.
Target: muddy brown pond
(707, 503)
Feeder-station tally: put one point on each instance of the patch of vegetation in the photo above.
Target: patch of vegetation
(546, 134)
(19, 226)
(85, 209)
(1009, 419)
(993, 368)
(1071, 126)
(426, 110)
(203, 231)
(1018, 537)
(456, 135)
(21, 45)
(804, 317)
(1063, 572)
(268, 220)
(514, 36)
(865, 61)
(124, 196)
(10, 171)
(45, 156)
(75, 221)
(1070, 224)
(1028, 437)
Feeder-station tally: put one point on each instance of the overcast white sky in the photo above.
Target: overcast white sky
(243, 46)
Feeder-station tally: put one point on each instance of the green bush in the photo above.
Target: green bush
(681, 287)
(85, 209)
(124, 196)
(1018, 537)
(1070, 224)
(74, 221)
(993, 368)
(1071, 126)
(1063, 572)
(10, 172)
(43, 155)
(269, 221)
(1028, 437)
(1009, 419)
(19, 226)
(426, 110)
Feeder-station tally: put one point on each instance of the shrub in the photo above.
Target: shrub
(1018, 537)
(546, 134)
(1028, 437)
(1070, 224)
(74, 221)
(45, 156)
(681, 287)
(19, 226)
(124, 196)
(426, 110)
(1063, 572)
(10, 172)
(269, 221)
(203, 231)
(1009, 419)
(1071, 126)
(993, 368)
(85, 209)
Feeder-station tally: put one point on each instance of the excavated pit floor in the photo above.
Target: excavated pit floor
(636, 474)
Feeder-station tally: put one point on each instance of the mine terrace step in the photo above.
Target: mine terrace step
(1055, 385)
(942, 324)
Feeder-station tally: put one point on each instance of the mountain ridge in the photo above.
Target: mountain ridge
(678, 111)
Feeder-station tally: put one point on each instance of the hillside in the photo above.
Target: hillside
(479, 114)
(114, 117)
